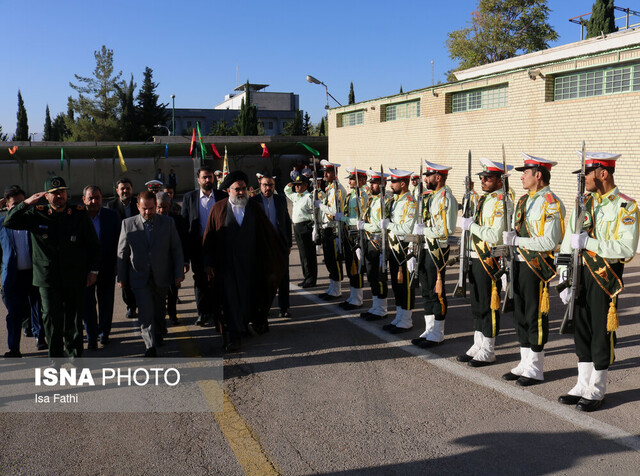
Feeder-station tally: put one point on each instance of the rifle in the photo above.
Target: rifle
(575, 263)
(360, 232)
(383, 211)
(461, 286)
(316, 212)
(417, 250)
(507, 260)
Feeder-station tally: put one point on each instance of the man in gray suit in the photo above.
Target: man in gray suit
(149, 260)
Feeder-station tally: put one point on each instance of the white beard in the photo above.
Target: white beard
(239, 201)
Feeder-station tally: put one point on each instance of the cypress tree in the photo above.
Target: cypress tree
(352, 95)
(247, 120)
(150, 111)
(130, 126)
(306, 125)
(401, 91)
(22, 127)
(48, 126)
(603, 19)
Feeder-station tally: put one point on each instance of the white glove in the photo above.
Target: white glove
(579, 240)
(503, 278)
(466, 223)
(418, 229)
(314, 234)
(565, 295)
(510, 238)
(317, 203)
(338, 216)
(411, 264)
(360, 225)
(359, 255)
(384, 223)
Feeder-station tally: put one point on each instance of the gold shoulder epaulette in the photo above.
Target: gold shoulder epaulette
(40, 208)
(550, 198)
(410, 198)
(80, 207)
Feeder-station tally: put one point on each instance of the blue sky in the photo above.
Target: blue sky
(195, 47)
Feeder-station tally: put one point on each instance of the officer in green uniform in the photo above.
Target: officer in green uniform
(354, 204)
(538, 227)
(610, 237)
(398, 226)
(329, 205)
(440, 211)
(414, 186)
(370, 224)
(302, 218)
(66, 257)
(485, 228)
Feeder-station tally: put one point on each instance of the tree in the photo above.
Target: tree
(130, 127)
(501, 29)
(59, 129)
(3, 137)
(401, 91)
(352, 95)
(150, 112)
(603, 19)
(222, 128)
(321, 128)
(22, 126)
(48, 126)
(97, 106)
(247, 120)
(294, 127)
(307, 128)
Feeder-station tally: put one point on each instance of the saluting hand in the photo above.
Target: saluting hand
(34, 198)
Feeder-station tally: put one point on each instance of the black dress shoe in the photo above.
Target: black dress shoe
(173, 320)
(586, 405)
(104, 340)
(400, 330)
(350, 307)
(151, 352)
(285, 314)
(365, 314)
(131, 314)
(418, 340)
(375, 317)
(464, 358)
(527, 382)
(301, 284)
(232, 346)
(569, 399)
(388, 327)
(28, 333)
(427, 344)
(41, 344)
(13, 353)
(308, 285)
(93, 345)
(510, 377)
(328, 297)
(478, 363)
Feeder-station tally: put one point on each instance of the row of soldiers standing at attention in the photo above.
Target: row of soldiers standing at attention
(363, 228)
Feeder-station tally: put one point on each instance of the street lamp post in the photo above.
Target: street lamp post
(164, 127)
(313, 80)
(173, 115)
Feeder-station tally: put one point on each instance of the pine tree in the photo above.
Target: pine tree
(247, 120)
(222, 128)
(130, 127)
(352, 95)
(294, 127)
(150, 112)
(307, 128)
(603, 19)
(70, 113)
(59, 129)
(3, 137)
(48, 126)
(22, 127)
(321, 128)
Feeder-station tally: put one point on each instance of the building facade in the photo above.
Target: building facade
(544, 103)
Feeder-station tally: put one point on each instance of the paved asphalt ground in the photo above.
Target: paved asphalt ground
(328, 393)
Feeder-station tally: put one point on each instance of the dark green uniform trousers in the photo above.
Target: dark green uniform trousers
(303, 233)
(532, 328)
(62, 318)
(485, 319)
(428, 274)
(330, 252)
(404, 293)
(593, 342)
(351, 261)
(377, 279)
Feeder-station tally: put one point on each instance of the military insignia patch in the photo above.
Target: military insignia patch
(55, 182)
(499, 213)
(628, 220)
(611, 197)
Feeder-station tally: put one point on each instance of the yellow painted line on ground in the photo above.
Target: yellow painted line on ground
(241, 438)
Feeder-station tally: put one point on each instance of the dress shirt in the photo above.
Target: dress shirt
(270, 209)
(23, 253)
(238, 212)
(96, 224)
(206, 203)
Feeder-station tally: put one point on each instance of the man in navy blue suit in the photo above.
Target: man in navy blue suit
(276, 209)
(20, 296)
(107, 225)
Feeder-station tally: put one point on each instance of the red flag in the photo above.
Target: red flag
(215, 151)
(13, 150)
(265, 151)
(193, 141)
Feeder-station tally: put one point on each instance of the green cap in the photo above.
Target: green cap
(55, 183)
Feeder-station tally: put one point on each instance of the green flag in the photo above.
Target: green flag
(202, 147)
(61, 158)
(310, 149)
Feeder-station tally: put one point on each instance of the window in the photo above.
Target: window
(404, 110)
(486, 98)
(354, 118)
(270, 125)
(597, 82)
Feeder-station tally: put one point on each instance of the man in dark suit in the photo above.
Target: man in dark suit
(196, 206)
(125, 207)
(107, 225)
(19, 295)
(275, 207)
(150, 260)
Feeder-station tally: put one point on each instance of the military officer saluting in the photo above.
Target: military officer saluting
(485, 228)
(440, 211)
(609, 236)
(331, 204)
(538, 227)
(66, 257)
(400, 224)
(302, 218)
(354, 204)
(370, 224)
(414, 186)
